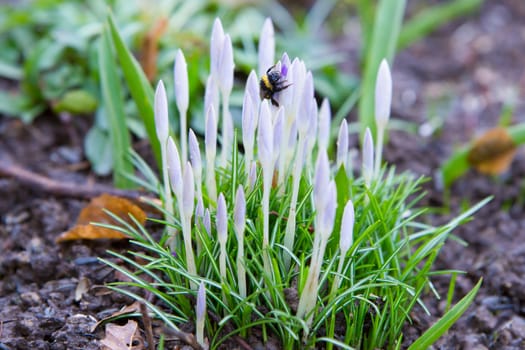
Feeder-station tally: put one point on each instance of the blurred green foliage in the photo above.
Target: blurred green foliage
(50, 48)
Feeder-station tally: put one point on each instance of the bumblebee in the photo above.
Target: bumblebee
(271, 83)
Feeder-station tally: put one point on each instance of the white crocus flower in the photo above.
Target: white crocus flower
(210, 141)
(266, 157)
(200, 312)
(174, 169)
(342, 145)
(162, 129)
(222, 233)
(368, 158)
(383, 101)
(266, 46)
(180, 72)
(323, 134)
(186, 208)
(239, 222)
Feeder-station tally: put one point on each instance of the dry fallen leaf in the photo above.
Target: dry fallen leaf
(493, 152)
(125, 337)
(82, 287)
(94, 212)
(150, 48)
(131, 308)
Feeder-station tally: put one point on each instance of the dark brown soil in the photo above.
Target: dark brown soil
(460, 76)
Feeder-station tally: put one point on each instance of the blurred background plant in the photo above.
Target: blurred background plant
(50, 48)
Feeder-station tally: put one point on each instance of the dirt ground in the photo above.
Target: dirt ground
(452, 86)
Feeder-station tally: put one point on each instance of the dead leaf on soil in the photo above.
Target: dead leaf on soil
(94, 212)
(493, 152)
(125, 337)
(132, 308)
(82, 287)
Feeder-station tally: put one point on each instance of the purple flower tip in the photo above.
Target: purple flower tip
(284, 70)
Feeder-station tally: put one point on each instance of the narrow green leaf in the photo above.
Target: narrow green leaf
(139, 87)
(114, 110)
(445, 322)
(387, 25)
(433, 17)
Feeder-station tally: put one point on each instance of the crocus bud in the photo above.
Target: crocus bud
(285, 64)
(328, 212)
(248, 124)
(195, 156)
(174, 168)
(266, 46)
(201, 302)
(181, 83)
(161, 113)
(321, 180)
(200, 312)
(304, 117)
(216, 43)
(199, 211)
(211, 95)
(383, 94)
(188, 192)
(342, 144)
(206, 221)
(210, 132)
(239, 211)
(265, 135)
(323, 133)
(368, 157)
(222, 219)
(252, 89)
(278, 133)
(227, 66)
(347, 228)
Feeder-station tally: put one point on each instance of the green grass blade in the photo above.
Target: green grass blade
(114, 110)
(139, 87)
(387, 25)
(433, 17)
(445, 322)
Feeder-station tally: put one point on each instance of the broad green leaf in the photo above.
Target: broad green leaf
(97, 146)
(433, 17)
(10, 71)
(445, 322)
(114, 110)
(387, 25)
(10, 104)
(139, 87)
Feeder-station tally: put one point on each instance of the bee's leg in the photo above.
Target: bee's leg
(269, 69)
(274, 102)
(281, 87)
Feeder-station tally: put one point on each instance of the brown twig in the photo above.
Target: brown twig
(42, 183)
(187, 338)
(147, 326)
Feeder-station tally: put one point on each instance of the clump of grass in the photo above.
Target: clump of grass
(278, 241)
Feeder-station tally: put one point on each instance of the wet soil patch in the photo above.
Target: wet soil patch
(448, 87)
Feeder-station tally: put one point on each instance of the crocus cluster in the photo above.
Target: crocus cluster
(281, 143)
